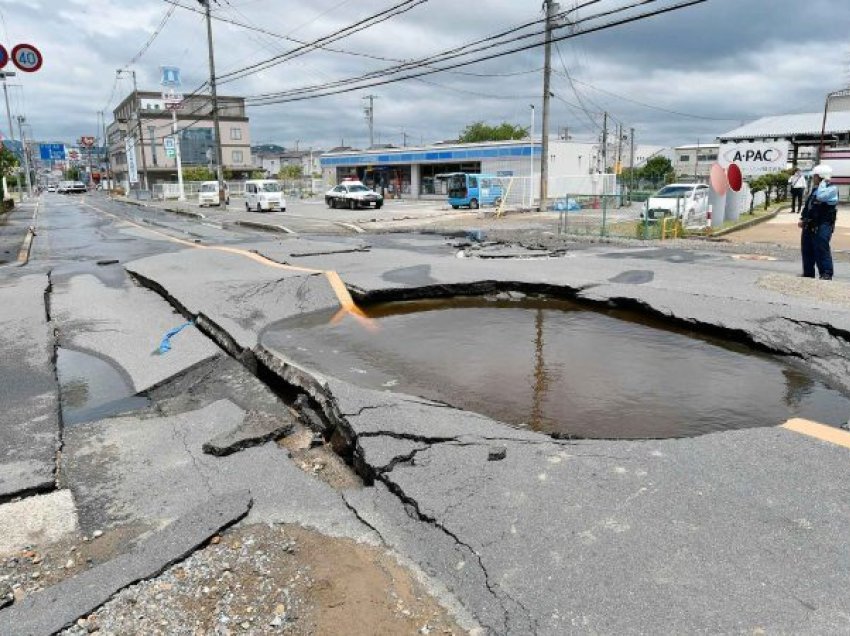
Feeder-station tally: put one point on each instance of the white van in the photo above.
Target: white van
(264, 194)
(208, 194)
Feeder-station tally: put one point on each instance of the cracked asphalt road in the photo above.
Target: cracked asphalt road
(518, 533)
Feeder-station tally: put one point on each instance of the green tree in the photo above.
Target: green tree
(72, 174)
(198, 173)
(8, 162)
(479, 131)
(290, 172)
(757, 185)
(658, 170)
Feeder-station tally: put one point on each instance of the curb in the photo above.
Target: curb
(140, 204)
(268, 227)
(750, 223)
(194, 215)
(350, 226)
(26, 247)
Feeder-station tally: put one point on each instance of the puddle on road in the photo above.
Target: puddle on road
(558, 368)
(92, 389)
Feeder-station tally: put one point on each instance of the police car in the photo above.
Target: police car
(353, 195)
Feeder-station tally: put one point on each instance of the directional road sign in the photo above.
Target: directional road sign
(27, 58)
(52, 152)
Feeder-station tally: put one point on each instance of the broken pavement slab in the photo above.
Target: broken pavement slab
(588, 535)
(153, 469)
(29, 393)
(237, 295)
(125, 323)
(60, 605)
(256, 429)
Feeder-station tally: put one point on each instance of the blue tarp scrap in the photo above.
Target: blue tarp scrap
(165, 344)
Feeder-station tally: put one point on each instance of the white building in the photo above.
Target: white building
(415, 172)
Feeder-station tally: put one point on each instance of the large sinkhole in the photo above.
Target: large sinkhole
(556, 367)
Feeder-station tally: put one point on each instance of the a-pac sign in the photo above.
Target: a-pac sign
(755, 158)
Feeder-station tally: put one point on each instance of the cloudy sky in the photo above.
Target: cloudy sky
(677, 78)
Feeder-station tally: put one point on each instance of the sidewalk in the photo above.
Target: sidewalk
(13, 231)
(783, 230)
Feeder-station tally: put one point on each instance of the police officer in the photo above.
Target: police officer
(818, 222)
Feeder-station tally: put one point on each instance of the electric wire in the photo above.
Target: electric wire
(358, 83)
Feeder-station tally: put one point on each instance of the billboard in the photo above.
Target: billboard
(755, 158)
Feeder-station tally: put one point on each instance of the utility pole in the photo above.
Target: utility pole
(214, 95)
(6, 74)
(370, 117)
(604, 143)
(21, 120)
(551, 10)
(631, 163)
(181, 195)
(108, 184)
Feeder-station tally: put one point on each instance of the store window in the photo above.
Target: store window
(430, 184)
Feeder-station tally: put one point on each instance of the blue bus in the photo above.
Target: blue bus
(473, 190)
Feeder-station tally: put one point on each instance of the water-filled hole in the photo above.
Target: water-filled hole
(555, 367)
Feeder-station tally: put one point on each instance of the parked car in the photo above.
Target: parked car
(353, 195)
(686, 201)
(208, 194)
(264, 194)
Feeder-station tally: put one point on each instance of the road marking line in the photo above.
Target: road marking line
(822, 432)
(343, 295)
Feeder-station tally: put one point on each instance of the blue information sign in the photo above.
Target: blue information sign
(52, 152)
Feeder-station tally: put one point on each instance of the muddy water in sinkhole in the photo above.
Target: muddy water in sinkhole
(558, 368)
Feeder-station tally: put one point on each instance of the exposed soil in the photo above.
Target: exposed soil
(276, 579)
(320, 461)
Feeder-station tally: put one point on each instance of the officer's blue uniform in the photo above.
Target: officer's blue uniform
(818, 225)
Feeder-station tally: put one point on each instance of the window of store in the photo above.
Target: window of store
(430, 184)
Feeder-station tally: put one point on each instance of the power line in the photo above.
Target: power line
(361, 25)
(367, 81)
(655, 107)
(464, 50)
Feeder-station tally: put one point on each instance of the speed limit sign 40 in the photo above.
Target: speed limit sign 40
(27, 58)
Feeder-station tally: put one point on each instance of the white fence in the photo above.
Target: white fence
(298, 188)
(524, 192)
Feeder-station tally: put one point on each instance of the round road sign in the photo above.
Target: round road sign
(27, 58)
(4, 56)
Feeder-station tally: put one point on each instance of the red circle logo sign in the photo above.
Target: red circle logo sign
(27, 58)
(736, 178)
(4, 56)
(719, 183)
